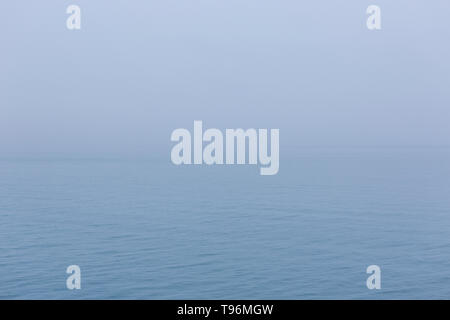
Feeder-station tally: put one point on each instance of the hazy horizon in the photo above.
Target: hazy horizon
(364, 150)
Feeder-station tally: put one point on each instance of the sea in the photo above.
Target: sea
(143, 228)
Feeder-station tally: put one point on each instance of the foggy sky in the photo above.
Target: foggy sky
(139, 69)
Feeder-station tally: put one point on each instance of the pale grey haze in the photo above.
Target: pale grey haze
(364, 162)
(139, 69)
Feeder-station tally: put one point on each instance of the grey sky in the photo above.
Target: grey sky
(139, 69)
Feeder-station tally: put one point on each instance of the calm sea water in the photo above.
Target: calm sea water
(142, 228)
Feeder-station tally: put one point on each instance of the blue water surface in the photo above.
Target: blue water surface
(145, 229)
